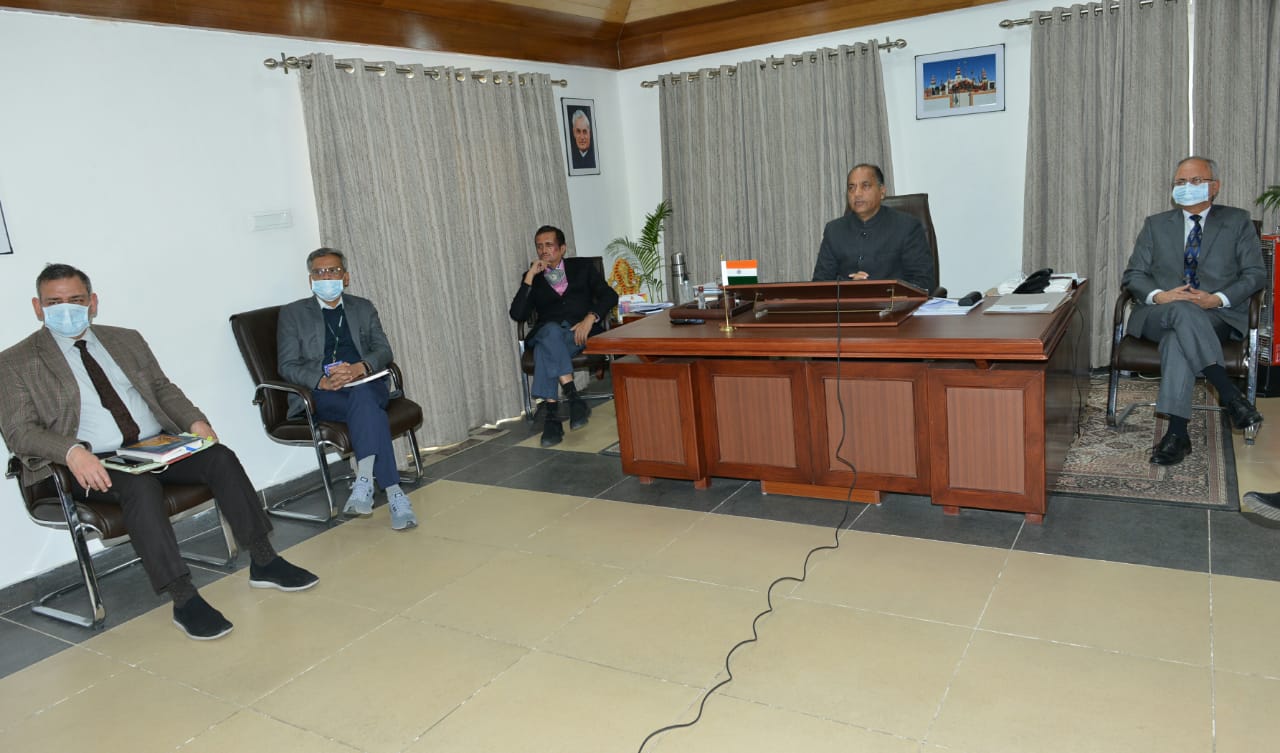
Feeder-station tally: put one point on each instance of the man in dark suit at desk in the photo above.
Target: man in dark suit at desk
(74, 394)
(326, 341)
(874, 242)
(572, 300)
(1192, 271)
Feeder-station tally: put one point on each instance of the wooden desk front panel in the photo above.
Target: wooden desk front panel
(753, 414)
(886, 424)
(987, 437)
(658, 423)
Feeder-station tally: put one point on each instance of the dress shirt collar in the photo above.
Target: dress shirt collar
(68, 344)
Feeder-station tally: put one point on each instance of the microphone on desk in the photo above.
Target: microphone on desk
(970, 299)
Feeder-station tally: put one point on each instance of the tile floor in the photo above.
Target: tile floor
(550, 603)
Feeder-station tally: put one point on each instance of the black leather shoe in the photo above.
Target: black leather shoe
(1242, 413)
(1171, 450)
(579, 412)
(200, 621)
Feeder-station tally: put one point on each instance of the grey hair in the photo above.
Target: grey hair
(324, 251)
(580, 115)
(1213, 166)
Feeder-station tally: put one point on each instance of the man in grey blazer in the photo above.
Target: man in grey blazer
(1192, 271)
(74, 394)
(326, 341)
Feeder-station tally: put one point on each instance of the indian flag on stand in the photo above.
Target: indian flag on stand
(739, 272)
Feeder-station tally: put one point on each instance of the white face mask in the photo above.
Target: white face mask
(1189, 194)
(327, 290)
(66, 319)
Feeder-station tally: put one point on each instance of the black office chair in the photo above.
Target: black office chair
(595, 364)
(255, 333)
(917, 205)
(50, 505)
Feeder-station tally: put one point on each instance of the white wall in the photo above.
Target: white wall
(139, 152)
(971, 166)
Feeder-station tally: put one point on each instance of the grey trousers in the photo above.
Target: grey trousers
(1190, 339)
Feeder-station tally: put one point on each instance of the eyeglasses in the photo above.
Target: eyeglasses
(328, 273)
(1193, 181)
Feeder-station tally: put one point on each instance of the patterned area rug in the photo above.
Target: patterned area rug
(1114, 464)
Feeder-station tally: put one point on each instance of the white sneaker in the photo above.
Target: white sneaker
(361, 500)
(402, 516)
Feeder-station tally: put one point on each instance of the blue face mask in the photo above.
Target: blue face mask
(1189, 194)
(327, 290)
(66, 319)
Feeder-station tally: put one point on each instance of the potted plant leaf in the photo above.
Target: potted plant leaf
(1270, 200)
(644, 250)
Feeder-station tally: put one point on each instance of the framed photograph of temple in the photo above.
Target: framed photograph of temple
(960, 82)
(582, 151)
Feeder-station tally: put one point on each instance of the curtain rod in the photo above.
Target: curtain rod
(1066, 15)
(775, 62)
(294, 63)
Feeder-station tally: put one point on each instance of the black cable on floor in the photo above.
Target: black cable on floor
(804, 571)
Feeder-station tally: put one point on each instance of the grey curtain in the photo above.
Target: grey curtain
(754, 156)
(1237, 95)
(1108, 120)
(434, 189)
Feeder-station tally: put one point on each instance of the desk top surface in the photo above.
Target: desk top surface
(974, 336)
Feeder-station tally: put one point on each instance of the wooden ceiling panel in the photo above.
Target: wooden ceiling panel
(596, 33)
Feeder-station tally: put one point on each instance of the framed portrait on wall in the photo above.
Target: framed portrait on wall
(5, 246)
(582, 146)
(960, 82)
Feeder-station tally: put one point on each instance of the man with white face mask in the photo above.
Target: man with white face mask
(325, 342)
(75, 392)
(1193, 270)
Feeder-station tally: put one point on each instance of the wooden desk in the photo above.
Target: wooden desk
(973, 411)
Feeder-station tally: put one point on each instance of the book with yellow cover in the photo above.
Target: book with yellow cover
(165, 448)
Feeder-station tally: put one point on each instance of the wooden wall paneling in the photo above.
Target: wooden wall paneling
(658, 424)
(886, 419)
(987, 438)
(755, 419)
(745, 23)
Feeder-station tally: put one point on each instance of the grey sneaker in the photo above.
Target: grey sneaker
(402, 516)
(361, 500)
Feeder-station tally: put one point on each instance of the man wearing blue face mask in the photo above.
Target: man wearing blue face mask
(1192, 271)
(75, 392)
(326, 341)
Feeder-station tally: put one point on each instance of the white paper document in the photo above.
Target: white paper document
(1027, 303)
(942, 307)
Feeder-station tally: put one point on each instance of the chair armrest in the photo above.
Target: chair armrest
(1122, 305)
(13, 468)
(1255, 310)
(294, 389)
(397, 380)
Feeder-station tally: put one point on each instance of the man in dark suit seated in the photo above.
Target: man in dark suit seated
(874, 242)
(1193, 270)
(326, 341)
(75, 393)
(572, 301)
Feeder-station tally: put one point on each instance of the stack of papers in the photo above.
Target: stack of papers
(942, 307)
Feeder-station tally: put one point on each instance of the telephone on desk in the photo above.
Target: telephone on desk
(1036, 282)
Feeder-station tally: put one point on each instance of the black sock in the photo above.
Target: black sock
(261, 551)
(552, 408)
(1178, 426)
(570, 390)
(1217, 376)
(180, 590)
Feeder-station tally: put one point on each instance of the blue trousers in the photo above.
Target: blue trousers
(553, 352)
(363, 409)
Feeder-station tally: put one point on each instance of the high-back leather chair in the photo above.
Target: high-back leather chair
(594, 363)
(917, 205)
(1134, 354)
(255, 333)
(50, 505)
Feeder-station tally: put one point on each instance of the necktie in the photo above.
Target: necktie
(108, 395)
(1191, 259)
